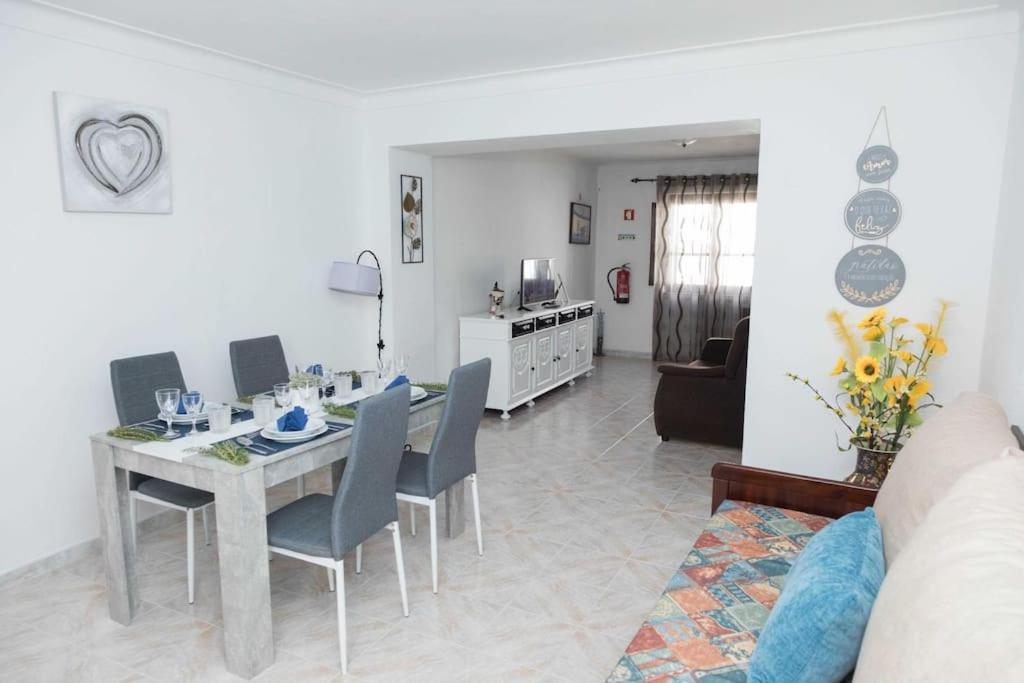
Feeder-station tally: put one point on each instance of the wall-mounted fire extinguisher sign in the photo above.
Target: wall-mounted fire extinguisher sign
(620, 290)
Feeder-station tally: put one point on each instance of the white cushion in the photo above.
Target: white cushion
(951, 607)
(969, 431)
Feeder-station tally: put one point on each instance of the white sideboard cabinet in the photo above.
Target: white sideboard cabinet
(531, 352)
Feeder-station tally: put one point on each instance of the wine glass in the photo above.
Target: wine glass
(167, 399)
(193, 402)
(306, 392)
(327, 379)
(283, 394)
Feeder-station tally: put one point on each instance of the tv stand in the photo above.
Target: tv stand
(531, 353)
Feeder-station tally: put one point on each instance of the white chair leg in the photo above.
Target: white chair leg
(133, 515)
(433, 542)
(190, 540)
(206, 528)
(412, 518)
(330, 580)
(359, 559)
(400, 565)
(301, 483)
(476, 515)
(339, 571)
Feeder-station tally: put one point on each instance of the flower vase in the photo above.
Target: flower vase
(872, 466)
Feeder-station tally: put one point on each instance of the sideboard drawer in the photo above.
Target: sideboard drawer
(522, 327)
(546, 322)
(585, 311)
(566, 316)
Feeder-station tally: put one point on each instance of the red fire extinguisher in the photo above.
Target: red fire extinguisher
(620, 292)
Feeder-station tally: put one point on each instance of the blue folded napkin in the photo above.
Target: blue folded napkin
(317, 370)
(293, 421)
(397, 382)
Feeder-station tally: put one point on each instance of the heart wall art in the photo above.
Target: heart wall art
(113, 155)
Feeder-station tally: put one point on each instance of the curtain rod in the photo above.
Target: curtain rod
(705, 175)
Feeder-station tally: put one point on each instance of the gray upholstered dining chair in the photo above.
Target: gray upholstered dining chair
(257, 365)
(452, 458)
(135, 382)
(321, 529)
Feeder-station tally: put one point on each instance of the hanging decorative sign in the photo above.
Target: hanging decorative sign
(873, 214)
(870, 275)
(877, 164)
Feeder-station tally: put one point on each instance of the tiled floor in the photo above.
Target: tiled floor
(586, 515)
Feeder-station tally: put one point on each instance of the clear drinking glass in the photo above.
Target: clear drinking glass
(219, 416)
(327, 379)
(402, 364)
(167, 399)
(369, 381)
(342, 385)
(263, 410)
(193, 402)
(283, 394)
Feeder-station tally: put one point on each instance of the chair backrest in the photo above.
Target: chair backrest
(135, 381)
(365, 500)
(257, 364)
(452, 455)
(736, 361)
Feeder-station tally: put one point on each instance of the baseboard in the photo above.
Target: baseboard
(642, 355)
(62, 558)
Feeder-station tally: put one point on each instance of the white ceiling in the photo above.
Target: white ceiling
(382, 44)
(668, 150)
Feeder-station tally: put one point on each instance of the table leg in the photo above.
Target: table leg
(455, 509)
(112, 497)
(244, 571)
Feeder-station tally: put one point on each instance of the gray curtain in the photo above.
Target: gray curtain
(704, 259)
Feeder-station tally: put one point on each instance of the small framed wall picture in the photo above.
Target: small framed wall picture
(579, 223)
(412, 218)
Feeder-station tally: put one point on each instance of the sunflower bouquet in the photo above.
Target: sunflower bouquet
(883, 376)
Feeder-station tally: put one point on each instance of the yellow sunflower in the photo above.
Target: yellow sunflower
(873, 319)
(873, 333)
(920, 389)
(937, 346)
(866, 369)
(840, 366)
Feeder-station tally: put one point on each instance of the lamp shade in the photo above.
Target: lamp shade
(354, 278)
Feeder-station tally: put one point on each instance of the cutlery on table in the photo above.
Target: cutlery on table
(251, 445)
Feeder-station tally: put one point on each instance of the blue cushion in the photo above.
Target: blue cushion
(814, 631)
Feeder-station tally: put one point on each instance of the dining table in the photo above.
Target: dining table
(241, 509)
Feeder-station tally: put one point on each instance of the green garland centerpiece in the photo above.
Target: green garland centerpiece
(228, 451)
(346, 412)
(432, 386)
(135, 434)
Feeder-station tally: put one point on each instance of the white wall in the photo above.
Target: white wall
(628, 328)
(947, 85)
(1003, 368)
(264, 187)
(491, 212)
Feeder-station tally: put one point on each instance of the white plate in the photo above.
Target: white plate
(293, 437)
(314, 424)
(416, 393)
(180, 419)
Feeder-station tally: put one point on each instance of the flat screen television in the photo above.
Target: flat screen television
(538, 282)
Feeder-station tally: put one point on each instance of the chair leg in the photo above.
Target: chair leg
(206, 528)
(330, 580)
(433, 542)
(191, 553)
(301, 484)
(339, 571)
(359, 559)
(412, 518)
(400, 565)
(476, 515)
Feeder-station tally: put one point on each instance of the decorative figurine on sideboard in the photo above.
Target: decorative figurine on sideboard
(497, 297)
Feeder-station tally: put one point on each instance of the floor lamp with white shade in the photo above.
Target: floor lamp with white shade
(355, 278)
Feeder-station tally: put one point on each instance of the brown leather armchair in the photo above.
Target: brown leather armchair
(703, 400)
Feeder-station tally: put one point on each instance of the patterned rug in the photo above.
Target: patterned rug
(706, 623)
